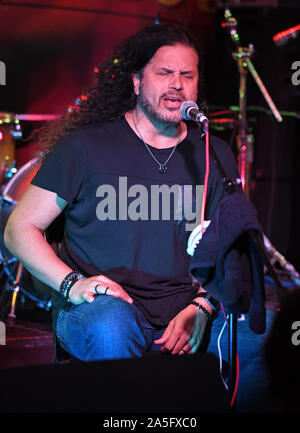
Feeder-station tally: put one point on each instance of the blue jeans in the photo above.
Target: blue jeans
(108, 328)
(254, 381)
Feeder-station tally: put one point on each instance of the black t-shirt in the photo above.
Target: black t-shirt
(125, 219)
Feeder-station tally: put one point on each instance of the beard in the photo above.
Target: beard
(148, 108)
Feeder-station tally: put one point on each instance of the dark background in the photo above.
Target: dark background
(51, 47)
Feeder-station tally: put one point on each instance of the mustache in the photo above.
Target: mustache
(173, 94)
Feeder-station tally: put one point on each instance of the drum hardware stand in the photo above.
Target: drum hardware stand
(13, 283)
(15, 288)
(245, 148)
(243, 58)
(277, 257)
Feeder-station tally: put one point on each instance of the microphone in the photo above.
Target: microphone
(189, 110)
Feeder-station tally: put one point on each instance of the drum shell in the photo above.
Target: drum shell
(7, 149)
(11, 194)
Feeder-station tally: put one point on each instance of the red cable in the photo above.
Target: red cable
(236, 380)
(205, 181)
(237, 377)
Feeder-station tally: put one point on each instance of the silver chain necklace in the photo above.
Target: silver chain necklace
(162, 167)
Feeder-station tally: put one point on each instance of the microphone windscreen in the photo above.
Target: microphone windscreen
(184, 109)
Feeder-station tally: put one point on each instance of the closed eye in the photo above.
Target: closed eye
(187, 74)
(164, 72)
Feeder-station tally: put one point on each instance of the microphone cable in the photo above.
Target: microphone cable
(205, 181)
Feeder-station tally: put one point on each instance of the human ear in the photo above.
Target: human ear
(136, 82)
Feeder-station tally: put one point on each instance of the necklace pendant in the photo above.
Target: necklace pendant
(162, 169)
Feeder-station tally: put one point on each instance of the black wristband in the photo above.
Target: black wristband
(205, 311)
(201, 295)
(214, 305)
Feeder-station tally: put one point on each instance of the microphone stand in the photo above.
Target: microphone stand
(230, 188)
(243, 56)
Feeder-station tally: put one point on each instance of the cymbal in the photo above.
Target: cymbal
(11, 117)
(36, 117)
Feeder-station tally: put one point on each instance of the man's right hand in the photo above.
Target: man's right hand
(85, 290)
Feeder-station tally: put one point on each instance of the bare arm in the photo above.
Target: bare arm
(24, 235)
(24, 238)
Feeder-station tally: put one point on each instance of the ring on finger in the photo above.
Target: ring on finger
(104, 293)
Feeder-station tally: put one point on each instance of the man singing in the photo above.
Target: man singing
(127, 173)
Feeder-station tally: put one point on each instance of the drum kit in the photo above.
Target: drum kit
(15, 279)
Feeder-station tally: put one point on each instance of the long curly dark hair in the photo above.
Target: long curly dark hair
(112, 95)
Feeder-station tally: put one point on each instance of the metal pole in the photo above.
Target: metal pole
(232, 345)
(16, 289)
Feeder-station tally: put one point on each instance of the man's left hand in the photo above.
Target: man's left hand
(184, 333)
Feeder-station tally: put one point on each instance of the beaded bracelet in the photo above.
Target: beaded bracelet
(207, 300)
(62, 284)
(71, 283)
(206, 312)
(68, 282)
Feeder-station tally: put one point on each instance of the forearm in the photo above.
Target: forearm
(27, 244)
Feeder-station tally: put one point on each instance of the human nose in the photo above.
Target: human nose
(176, 82)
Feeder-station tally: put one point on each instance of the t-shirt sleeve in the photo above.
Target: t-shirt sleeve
(63, 169)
